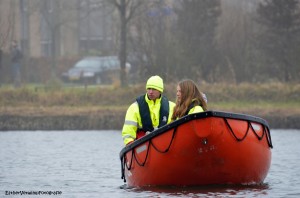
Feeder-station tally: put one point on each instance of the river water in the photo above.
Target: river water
(86, 164)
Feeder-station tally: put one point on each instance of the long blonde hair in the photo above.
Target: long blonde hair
(189, 94)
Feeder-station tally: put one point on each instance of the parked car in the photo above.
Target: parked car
(94, 70)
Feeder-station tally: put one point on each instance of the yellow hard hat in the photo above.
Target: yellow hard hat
(155, 82)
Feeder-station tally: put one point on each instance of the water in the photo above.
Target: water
(86, 164)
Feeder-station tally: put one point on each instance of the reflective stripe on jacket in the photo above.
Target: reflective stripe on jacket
(133, 118)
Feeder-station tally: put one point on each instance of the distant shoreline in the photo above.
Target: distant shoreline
(104, 107)
(106, 121)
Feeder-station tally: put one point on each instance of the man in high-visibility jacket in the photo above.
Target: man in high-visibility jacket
(149, 112)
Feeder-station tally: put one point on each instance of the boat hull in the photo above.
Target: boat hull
(213, 148)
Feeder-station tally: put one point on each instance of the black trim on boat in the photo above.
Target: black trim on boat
(194, 117)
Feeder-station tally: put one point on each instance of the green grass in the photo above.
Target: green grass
(260, 104)
(220, 96)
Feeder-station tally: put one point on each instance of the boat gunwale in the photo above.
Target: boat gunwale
(187, 118)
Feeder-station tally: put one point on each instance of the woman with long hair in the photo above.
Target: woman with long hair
(188, 99)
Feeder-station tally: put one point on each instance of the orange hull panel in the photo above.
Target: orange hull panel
(201, 151)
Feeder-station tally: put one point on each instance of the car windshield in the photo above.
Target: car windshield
(87, 63)
(112, 62)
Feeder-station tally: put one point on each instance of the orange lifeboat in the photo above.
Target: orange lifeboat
(200, 149)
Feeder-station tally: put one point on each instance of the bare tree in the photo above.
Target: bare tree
(127, 10)
(56, 14)
(149, 38)
(235, 36)
(280, 40)
(6, 30)
(197, 22)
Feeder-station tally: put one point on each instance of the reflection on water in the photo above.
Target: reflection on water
(206, 191)
(86, 164)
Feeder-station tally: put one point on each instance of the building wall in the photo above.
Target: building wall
(29, 34)
(9, 21)
(34, 30)
(69, 35)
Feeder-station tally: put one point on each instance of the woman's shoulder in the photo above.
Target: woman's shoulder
(196, 109)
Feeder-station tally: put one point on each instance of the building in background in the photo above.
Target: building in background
(63, 27)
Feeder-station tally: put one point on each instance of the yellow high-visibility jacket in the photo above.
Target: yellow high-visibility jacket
(196, 109)
(133, 118)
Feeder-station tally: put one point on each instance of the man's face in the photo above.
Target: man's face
(153, 94)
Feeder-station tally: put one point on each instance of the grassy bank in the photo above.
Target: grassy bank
(278, 103)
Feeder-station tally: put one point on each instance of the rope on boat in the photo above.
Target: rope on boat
(268, 134)
(174, 131)
(258, 137)
(238, 139)
(124, 159)
(265, 131)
